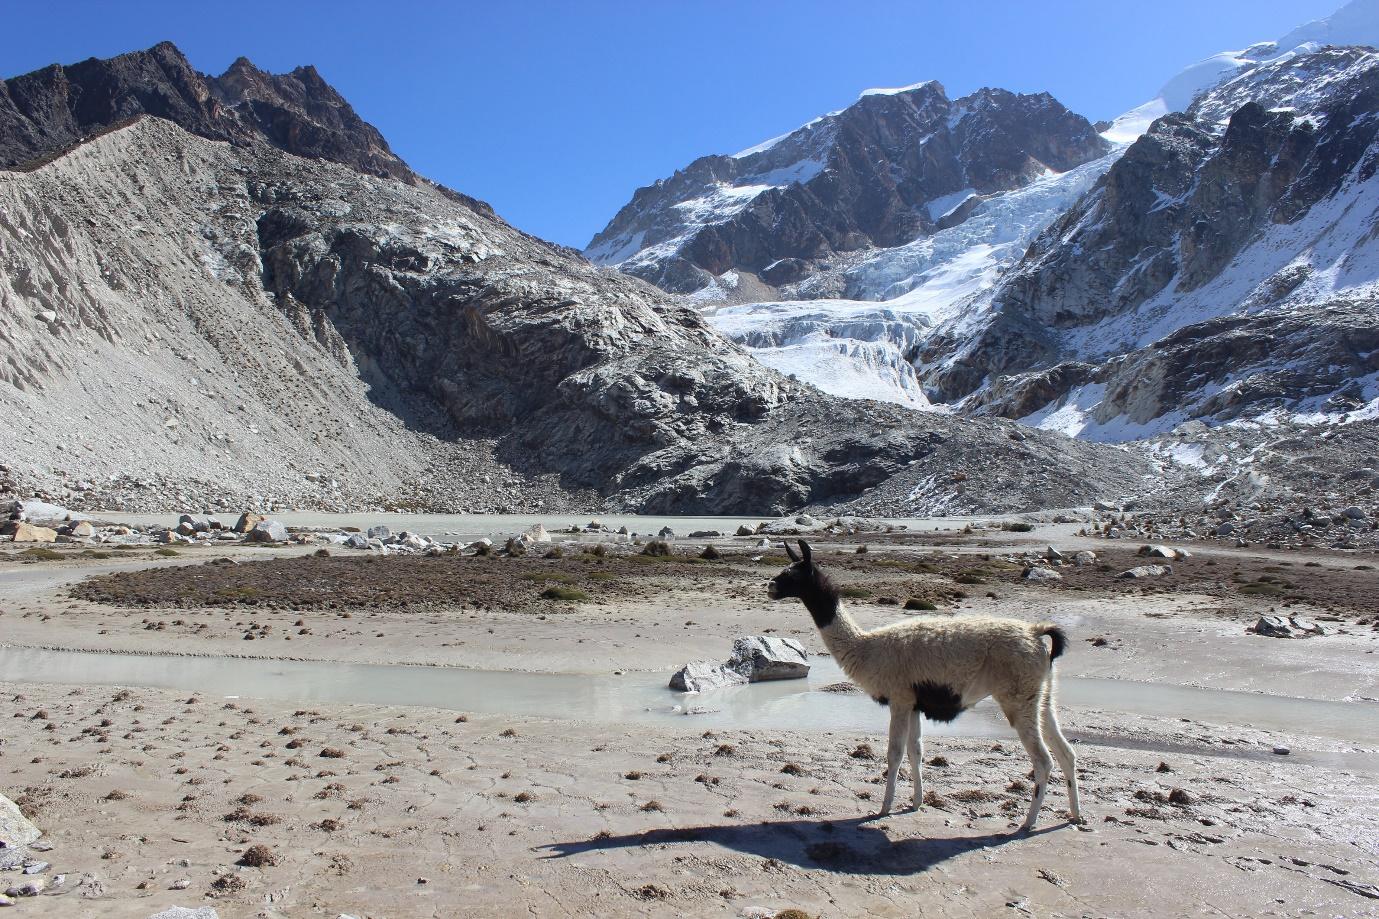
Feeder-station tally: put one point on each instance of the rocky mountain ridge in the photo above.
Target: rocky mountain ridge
(190, 319)
(1223, 268)
(893, 166)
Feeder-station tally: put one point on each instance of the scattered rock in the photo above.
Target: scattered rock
(1084, 558)
(1163, 552)
(22, 531)
(702, 676)
(1039, 573)
(755, 659)
(15, 829)
(745, 530)
(1287, 627)
(379, 532)
(268, 531)
(761, 658)
(1146, 571)
(246, 522)
(183, 912)
(83, 529)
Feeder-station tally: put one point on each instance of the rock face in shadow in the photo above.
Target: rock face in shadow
(892, 167)
(1222, 266)
(47, 111)
(233, 320)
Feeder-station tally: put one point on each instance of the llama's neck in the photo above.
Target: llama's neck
(836, 627)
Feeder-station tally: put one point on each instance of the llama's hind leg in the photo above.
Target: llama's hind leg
(900, 730)
(1063, 752)
(917, 758)
(1023, 714)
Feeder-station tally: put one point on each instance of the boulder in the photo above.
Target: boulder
(83, 529)
(268, 531)
(15, 828)
(1286, 627)
(759, 658)
(194, 524)
(246, 522)
(380, 532)
(538, 534)
(666, 533)
(745, 530)
(516, 547)
(755, 659)
(702, 676)
(1040, 573)
(1161, 552)
(1353, 513)
(23, 531)
(1084, 558)
(1225, 528)
(705, 534)
(1053, 554)
(805, 520)
(1146, 571)
(1105, 507)
(357, 541)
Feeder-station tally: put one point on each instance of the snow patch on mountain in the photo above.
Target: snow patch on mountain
(1357, 23)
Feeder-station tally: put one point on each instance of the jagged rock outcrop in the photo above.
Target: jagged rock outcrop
(48, 111)
(1224, 265)
(894, 166)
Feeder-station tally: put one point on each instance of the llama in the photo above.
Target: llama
(936, 669)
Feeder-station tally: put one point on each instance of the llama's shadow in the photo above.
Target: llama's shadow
(854, 846)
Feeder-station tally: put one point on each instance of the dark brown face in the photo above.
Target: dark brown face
(794, 580)
(790, 582)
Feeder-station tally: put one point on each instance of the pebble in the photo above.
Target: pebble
(1282, 751)
(36, 867)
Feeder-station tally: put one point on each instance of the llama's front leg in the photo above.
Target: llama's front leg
(917, 758)
(900, 730)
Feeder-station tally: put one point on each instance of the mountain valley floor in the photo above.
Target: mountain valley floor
(152, 797)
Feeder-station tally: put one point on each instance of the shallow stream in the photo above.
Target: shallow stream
(644, 697)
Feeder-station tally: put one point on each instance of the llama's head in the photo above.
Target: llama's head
(805, 580)
(800, 579)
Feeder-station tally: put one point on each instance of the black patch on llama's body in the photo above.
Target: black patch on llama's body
(936, 701)
(882, 700)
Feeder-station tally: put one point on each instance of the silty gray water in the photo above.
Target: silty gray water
(644, 698)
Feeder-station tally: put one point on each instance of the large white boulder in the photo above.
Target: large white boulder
(15, 828)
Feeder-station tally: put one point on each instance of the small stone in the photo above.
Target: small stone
(1084, 558)
(379, 532)
(183, 912)
(1281, 751)
(180, 884)
(1038, 573)
(83, 528)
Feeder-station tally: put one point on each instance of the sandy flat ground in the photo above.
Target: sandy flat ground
(506, 815)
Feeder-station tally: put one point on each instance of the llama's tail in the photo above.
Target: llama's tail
(1058, 639)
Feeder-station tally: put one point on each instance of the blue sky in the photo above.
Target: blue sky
(555, 112)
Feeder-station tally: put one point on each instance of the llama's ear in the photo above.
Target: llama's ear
(808, 555)
(790, 552)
